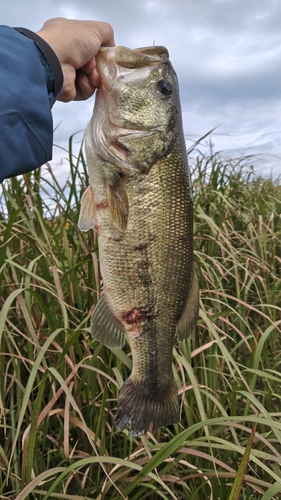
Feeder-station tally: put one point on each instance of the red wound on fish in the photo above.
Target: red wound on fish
(137, 316)
(133, 316)
(102, 204)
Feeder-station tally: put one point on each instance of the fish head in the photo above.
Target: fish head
(136, 109)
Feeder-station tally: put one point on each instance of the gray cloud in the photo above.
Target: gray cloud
(227, 54)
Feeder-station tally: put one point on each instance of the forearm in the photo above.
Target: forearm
(26, 125)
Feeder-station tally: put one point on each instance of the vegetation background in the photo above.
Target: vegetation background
(59, 387)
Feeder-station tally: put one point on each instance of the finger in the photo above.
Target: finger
(91, 72)
(94, 78)
(90, 66)
(106, 34)
(68, 90)
(84, 87)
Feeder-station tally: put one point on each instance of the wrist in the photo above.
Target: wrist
(49, 60)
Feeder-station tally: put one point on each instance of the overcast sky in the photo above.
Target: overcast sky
(227, 54)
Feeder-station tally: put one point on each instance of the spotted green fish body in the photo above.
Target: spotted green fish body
(139, 203)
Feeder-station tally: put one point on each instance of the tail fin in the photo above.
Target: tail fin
(146, 410)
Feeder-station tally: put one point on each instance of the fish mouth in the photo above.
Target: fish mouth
(134, 58)
(121, 63)
(114, 134)
(137, 58)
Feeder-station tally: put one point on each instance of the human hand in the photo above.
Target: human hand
(76, 44)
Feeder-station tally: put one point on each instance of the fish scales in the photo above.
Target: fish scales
(141, 209)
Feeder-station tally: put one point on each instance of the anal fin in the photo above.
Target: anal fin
(187, 323)
(105, 328)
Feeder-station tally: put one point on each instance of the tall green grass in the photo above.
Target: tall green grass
(59, 388)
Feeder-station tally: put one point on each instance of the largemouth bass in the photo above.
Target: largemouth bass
(140, 205)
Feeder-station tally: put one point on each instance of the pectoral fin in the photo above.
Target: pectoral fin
(87, 214)
(118, 203)
(188, 320)
(105, 328)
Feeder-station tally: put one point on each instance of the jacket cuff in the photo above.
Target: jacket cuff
(50, 57)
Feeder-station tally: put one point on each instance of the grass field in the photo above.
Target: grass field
(59, 388)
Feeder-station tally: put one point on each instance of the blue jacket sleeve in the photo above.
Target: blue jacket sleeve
(26, 125)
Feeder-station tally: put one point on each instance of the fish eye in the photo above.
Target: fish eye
(164, 87)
